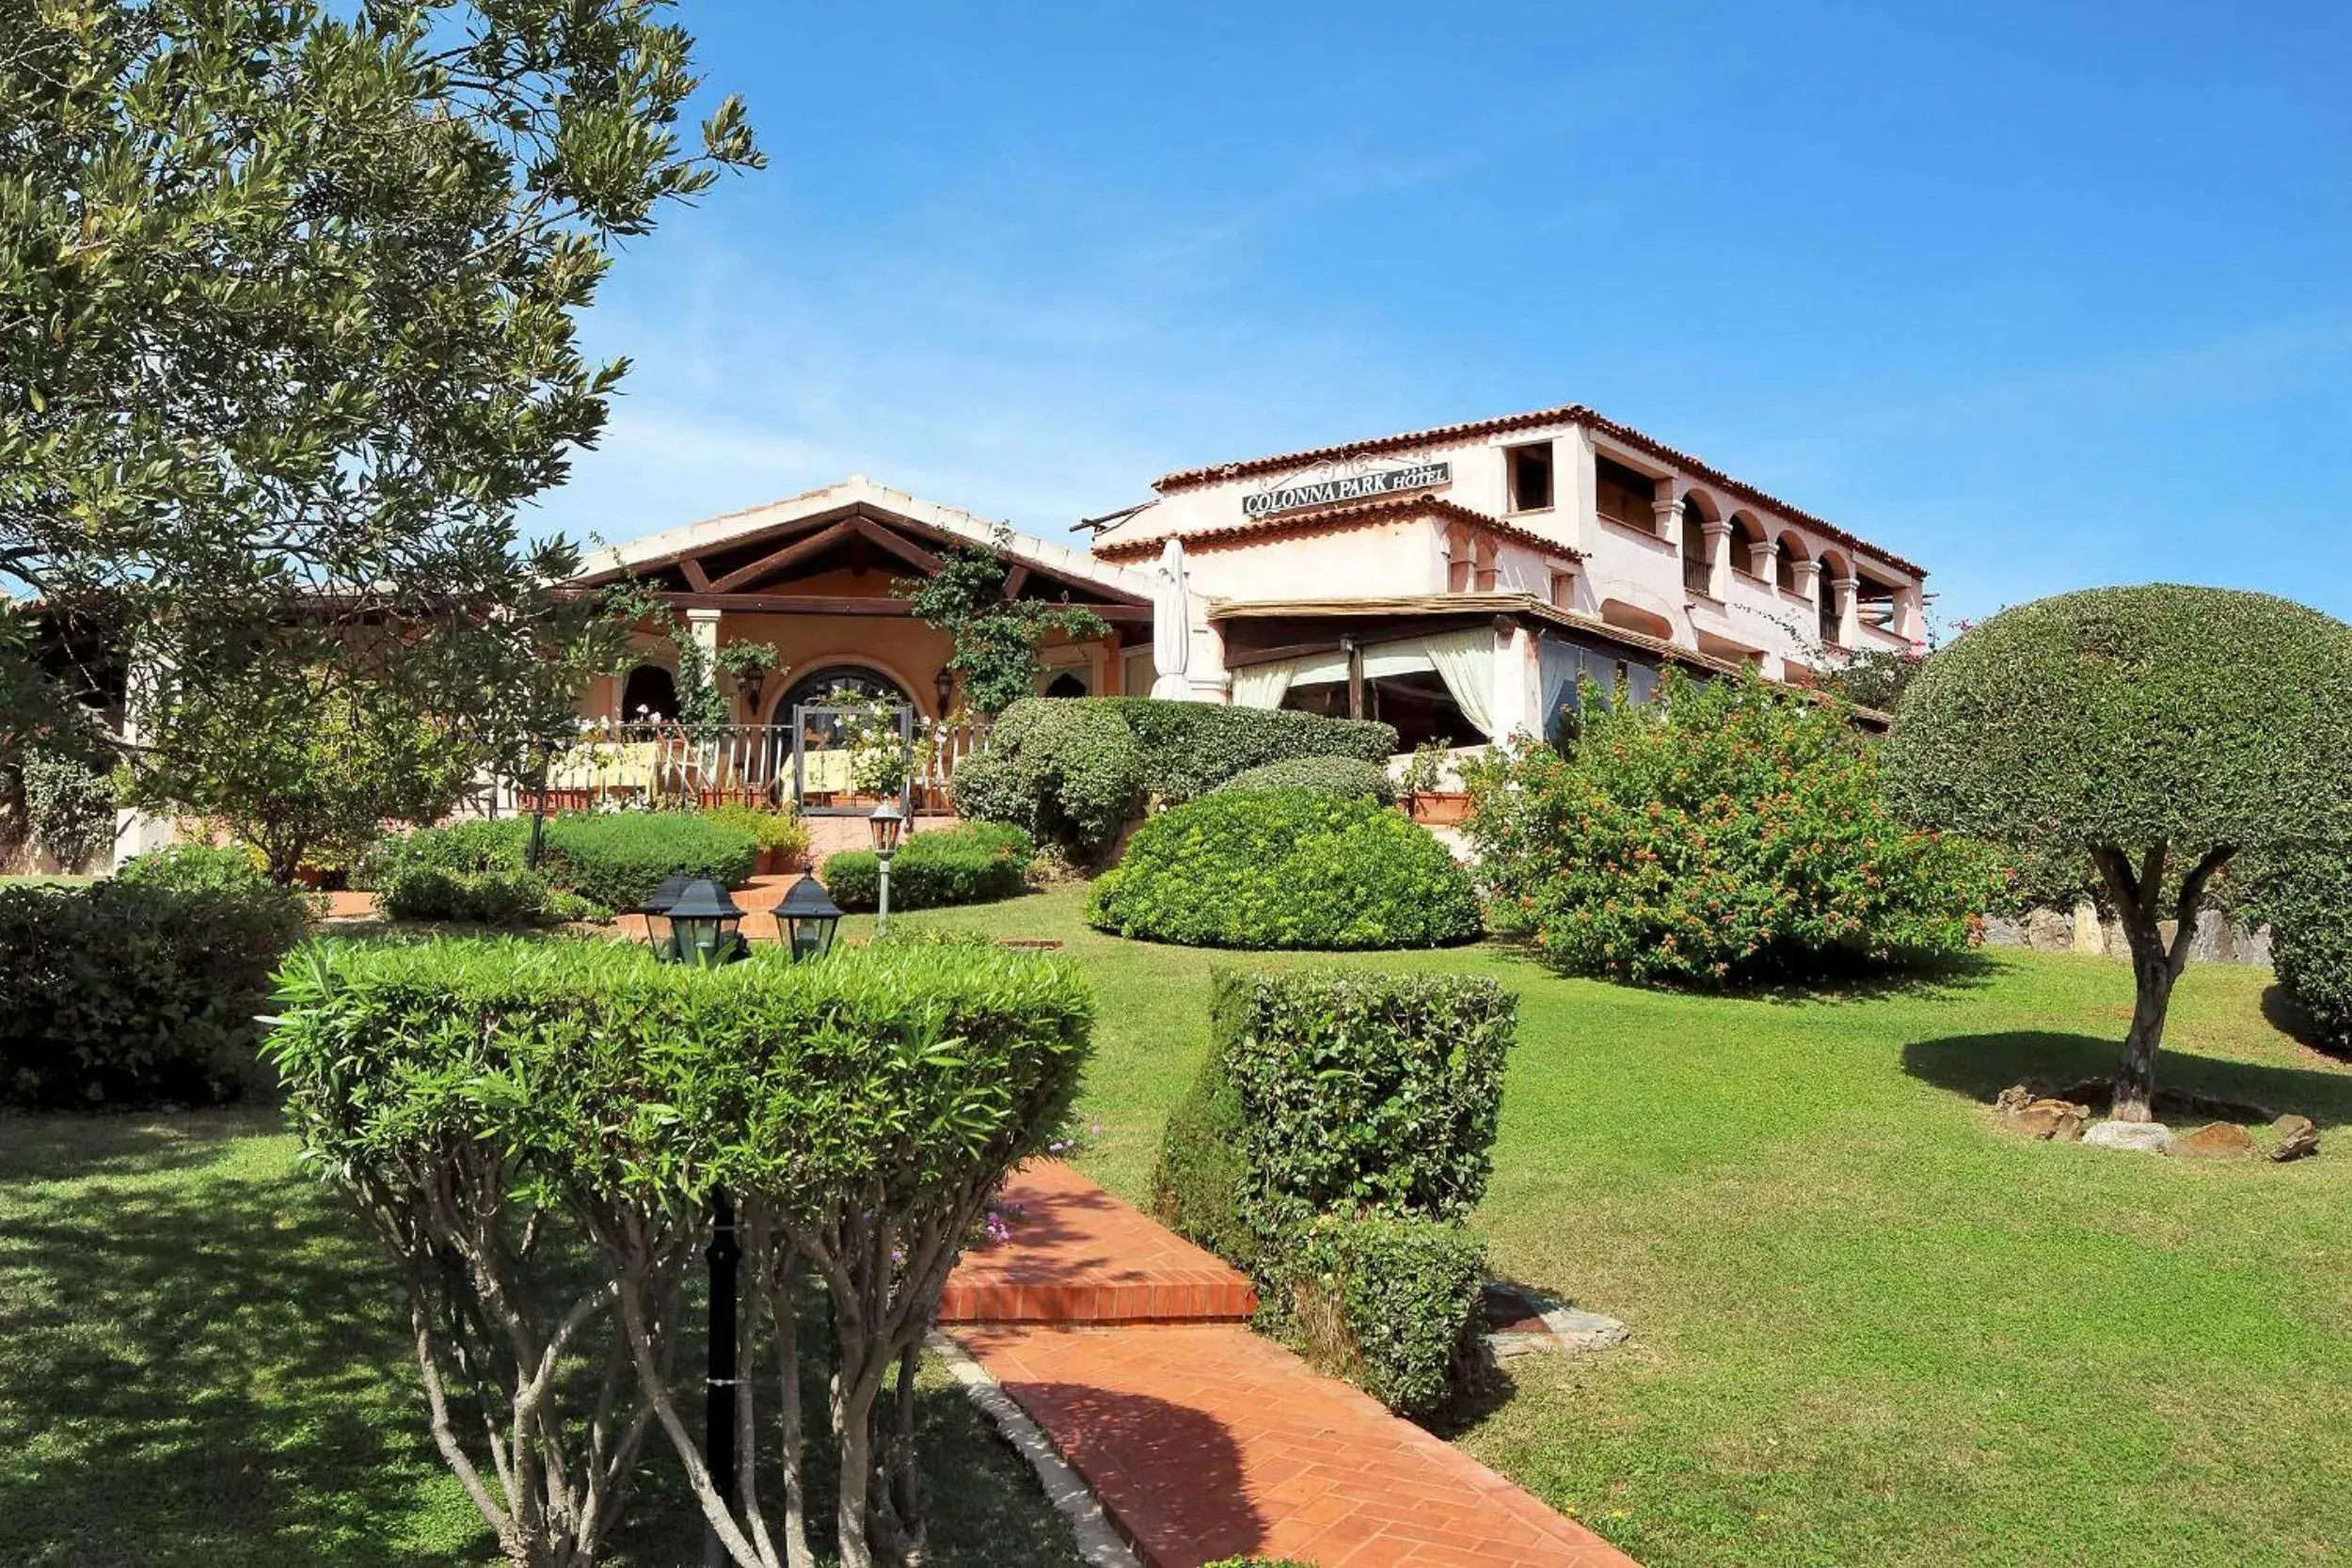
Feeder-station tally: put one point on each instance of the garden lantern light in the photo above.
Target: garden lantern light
(703, 924)
(656, 907)
(888, 824)
(807, 918)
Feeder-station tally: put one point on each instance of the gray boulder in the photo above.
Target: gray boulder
(2149, 1137)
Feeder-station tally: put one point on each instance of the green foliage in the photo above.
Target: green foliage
(1285, 868)
(974, 864)
(779, 833)
(287, 331)
(858, 1112)
(297, 767)
(615, 860)
(2187, 717)
(1075, 769)
(1349, 776)
(2307, 903)
(1067, 771)
(1334, 1091)
(510, 897)
(1876, 677)
(1390, 1304)
(1191, 747)
(995, 638)
(196, 868)
(130, 993)
(68, 808)
(1725, 835)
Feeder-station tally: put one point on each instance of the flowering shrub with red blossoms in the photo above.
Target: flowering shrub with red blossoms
(1724, 834)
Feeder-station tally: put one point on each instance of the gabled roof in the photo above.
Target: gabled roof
(855, 496)
(1567, 413)
(1341, 515)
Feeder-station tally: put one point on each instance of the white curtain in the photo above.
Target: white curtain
(1465, 660)
(1263, 685)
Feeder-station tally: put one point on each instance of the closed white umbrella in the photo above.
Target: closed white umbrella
(1171, 626)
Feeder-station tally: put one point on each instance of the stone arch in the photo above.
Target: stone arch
(648, 691)
(1832, 587)
(1793, 554)
(1692, 516)
(1747, 537)
(816, 675)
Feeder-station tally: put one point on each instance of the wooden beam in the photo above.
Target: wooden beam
(905, 550)
(776, 561)
(1242, 659)
(813, 604)
(1016, 579)
(696, 579)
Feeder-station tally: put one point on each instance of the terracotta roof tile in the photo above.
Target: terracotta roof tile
(1570, 413)
(1339, 515)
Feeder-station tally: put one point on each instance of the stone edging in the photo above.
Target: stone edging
(1099, 1542)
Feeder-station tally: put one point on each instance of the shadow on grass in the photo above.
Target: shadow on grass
(1981, 1066)
(2283, 1012)
(196, 1363)
(1926, 978)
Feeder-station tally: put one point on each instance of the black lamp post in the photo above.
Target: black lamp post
(806, 918)
(887, 825)
(703, 921)
(703, 924)
(672, 888)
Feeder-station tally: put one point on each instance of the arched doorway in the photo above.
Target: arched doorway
(1067, 684)
(648, 692)
(813, 748)
(855, 682)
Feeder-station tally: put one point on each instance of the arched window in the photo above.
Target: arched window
(1067, 684)
(1485, 578)
(1458, 564)
(1792, 556)
(854, 682)
(1696, 574)
(648, 692)
(1831, 593)
(1745, 536)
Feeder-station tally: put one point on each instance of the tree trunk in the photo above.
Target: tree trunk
(853, 1420)
(2155, 967)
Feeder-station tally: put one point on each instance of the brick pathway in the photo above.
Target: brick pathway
(1204, 1440)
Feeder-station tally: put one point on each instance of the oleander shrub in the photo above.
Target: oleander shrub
(1727, 835)
(1072, 770)
(484, 843)
(68, 807)
(1285, 868)
(197, 868)
(977, 862)
(2307, 903)
(1349, 776)
(1389, 1302)
(1334, 1091)
(132, 992)
(859, 1111)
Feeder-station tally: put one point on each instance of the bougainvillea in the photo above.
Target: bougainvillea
(1726, 834)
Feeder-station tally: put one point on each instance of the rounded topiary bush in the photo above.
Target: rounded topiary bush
(1349, 776)
(2308, 906)
(1291, 869)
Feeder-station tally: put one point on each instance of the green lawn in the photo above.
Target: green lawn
(204, 1365)
(1870, 1327)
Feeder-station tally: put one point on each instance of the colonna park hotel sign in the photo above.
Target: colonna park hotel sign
(1349, 487)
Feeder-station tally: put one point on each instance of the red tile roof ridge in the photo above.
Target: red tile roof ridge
(1567, 413)
(1340, 515)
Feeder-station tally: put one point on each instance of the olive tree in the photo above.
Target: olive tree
(2158, 731)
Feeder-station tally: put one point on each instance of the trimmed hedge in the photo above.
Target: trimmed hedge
(614, 859)
(1073, 769)
(779, 832)
(1349, 776)
(978, 862)
(1285, 868)
(2308, 906)
(133, 992)
(485, 898)
(1335, 1090)
(1339, 1130)
(1389, 1304)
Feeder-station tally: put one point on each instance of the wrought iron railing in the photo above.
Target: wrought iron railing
(669, 764)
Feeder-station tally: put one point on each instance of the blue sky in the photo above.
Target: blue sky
(2040, 296)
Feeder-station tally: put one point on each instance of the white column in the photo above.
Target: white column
(1717, 559)
(1849, 611)
(703, 626)
(1808, 575)
(1518, 686)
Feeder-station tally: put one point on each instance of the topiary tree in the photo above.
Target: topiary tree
(2159, 731)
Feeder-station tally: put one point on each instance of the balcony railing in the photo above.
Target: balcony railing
(758, 765)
